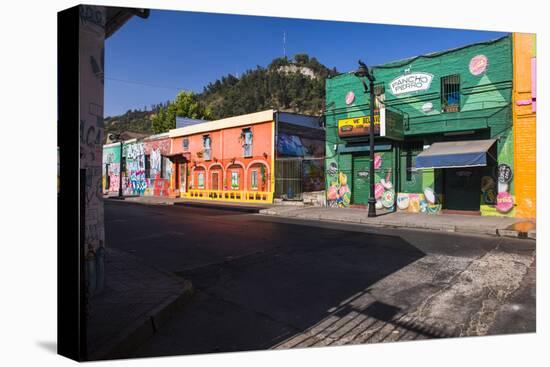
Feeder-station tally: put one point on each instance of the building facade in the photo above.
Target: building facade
(444, 134)
(234, 159)
(525, 118)
(158, 167)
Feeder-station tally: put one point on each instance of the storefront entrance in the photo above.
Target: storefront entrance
(361, 187)
(462, 188)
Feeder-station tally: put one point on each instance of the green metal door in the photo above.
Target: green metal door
(360, 188)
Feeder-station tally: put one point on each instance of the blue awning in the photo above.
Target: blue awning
(468, 153)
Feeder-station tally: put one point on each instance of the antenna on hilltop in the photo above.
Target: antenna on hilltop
(284, 43)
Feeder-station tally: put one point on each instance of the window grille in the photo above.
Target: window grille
(450, 93)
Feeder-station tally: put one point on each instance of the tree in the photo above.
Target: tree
(301, 59)
(186, 104)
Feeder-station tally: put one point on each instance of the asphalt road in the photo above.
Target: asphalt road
(264, 282)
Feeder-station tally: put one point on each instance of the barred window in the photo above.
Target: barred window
(450, 93)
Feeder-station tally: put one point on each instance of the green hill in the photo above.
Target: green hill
(292, 85)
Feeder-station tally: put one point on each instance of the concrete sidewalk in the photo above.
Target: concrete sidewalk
(225, 205)
(137, 300)
(510, 227)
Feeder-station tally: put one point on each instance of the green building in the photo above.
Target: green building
(443, 126)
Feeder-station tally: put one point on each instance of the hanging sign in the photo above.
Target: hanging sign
(358, 126)
(411, 82)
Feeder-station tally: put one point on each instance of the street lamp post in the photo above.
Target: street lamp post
(120, 171)
(363, 71)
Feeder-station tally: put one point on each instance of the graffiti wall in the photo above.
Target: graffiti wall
(134, 180)
(160, 169)
(111, 168)
(91, 63)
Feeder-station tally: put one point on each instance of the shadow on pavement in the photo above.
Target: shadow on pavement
(258, 301)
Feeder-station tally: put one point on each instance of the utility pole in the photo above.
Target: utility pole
(284, 44)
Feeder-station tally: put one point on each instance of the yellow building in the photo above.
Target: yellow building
(524, 120)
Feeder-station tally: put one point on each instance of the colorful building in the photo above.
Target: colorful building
(158, 166)
(238, 158)
(525, 132)
(444, 136)
(111, 168)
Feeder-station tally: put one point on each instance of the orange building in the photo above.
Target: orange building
(233, 159)
(524, 119)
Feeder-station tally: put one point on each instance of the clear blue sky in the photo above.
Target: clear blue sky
(174, 50)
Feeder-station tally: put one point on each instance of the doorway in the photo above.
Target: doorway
(360, 185)
(215, 181)
(182, 177)
(462, 188)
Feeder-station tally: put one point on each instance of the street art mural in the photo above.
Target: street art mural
(339, 194)
(313, 175)
(160, 170)
(504, 201)
(497, 183)
(134, 182)
(427, 202)
(384, 191)
(111, 169)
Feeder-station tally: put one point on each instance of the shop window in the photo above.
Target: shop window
(207, 143)
(247, 142)
(235, 180)
(254, 180)
(185, 143)
(450, 93)
(200, 180)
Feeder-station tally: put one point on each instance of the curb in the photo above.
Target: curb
(532, 235)
(243, 209)
(489, 231)
(143, 328)
(143, 202)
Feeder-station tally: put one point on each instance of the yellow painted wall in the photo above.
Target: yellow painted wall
(524, 126)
